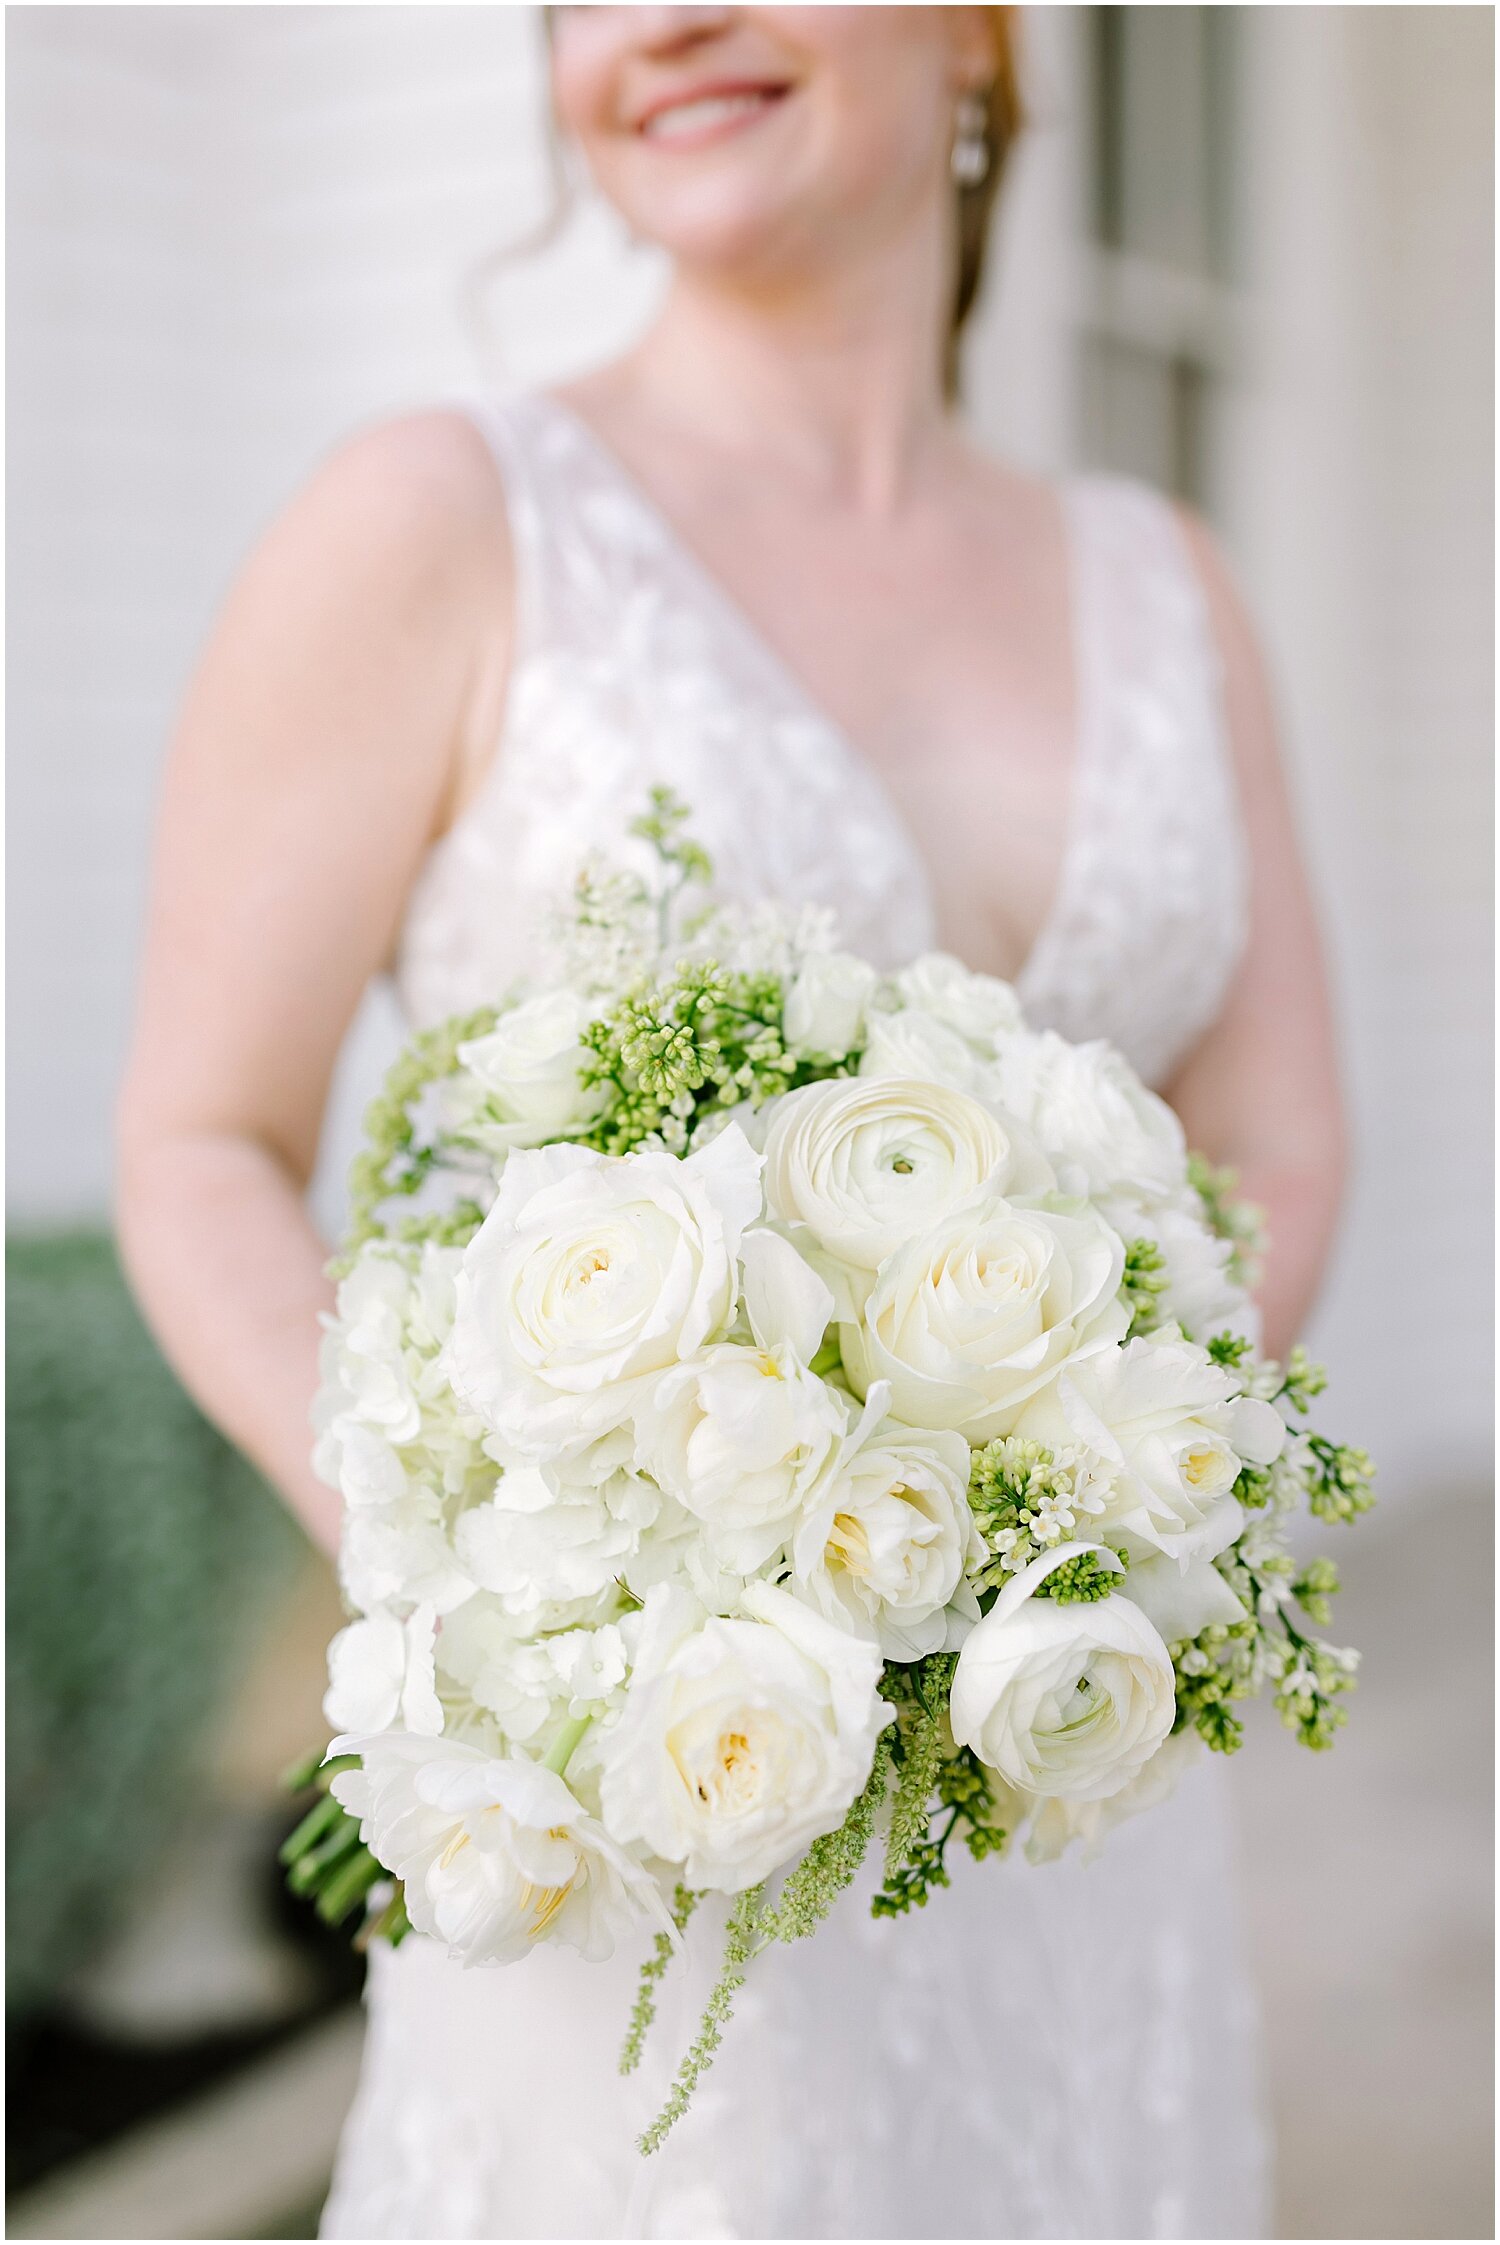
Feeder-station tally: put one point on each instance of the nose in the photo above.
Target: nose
(673, 31)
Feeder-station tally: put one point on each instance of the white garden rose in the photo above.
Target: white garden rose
(590, 1276)
(524, 1083)
(978, 1006)
(1086, 1104)
(982, 1310)
(548, 1547)
(380, 1674)
(1066, 1700)
(495, 1854)
(1059, 1823)
(742, 1739)
(856, 1167)
(738, 1436)
(913, 1043)
(1167, 1431)
(886, 1535)
(825, 1006)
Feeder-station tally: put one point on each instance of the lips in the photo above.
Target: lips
(707, 113)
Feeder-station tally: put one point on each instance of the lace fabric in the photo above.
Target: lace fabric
(1062, 2051)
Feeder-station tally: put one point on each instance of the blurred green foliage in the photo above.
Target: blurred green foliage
(142, 1552)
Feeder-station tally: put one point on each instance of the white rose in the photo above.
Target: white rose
(984, 1309)
(495, 1855)
(590, 1275)
(1063, 1700)
(1198, 1294)
(978, 1006)
(859, 1166)
(525, 1085)
(886, 1535)
(548, 1548)
(742, 1739)
(1086, 1104)
(380, 1673)
(1058, 1822)
(825, 1006)
(1169, 1430)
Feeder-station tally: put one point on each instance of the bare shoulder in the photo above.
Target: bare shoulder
(407, 506)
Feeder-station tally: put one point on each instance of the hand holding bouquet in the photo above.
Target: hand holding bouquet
(798, 1407)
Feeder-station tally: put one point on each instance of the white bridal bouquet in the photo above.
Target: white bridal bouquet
(802, 1410)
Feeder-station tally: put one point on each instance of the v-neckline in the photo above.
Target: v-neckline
(716, 595)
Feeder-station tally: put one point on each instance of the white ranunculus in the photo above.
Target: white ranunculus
(1058, 1823)
(825, 1006)
(1066, 1700)
(856, 1167)
(494, 1854)
(591, 1275)
(401, 1551)
(1086, 1104)
(525, 1085)
(978, 1006)
(548, 1548)
(737, 1436)
(1168, 1430)
(982, 1310)
(380, 1674)
(886, 1535)
(741, 1739)
(917, 1044)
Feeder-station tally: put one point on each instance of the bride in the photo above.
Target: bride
(757, 559)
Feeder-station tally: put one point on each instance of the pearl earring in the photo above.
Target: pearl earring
(970, 160)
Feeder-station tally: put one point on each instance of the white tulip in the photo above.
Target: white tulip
(742, 1739)
(1168, 1430)
(1065, 1700)
(495, 1855)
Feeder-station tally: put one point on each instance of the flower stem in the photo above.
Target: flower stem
(560, 1753)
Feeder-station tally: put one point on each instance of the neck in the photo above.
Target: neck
(838, 378)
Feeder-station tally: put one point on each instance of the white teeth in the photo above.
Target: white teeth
(696, 116)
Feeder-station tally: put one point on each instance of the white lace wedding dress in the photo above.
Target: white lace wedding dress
(1063, 2051)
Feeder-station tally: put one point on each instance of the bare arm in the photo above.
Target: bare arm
(349, 690)
(1261, 1091)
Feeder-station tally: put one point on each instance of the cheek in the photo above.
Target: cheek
(587, 55)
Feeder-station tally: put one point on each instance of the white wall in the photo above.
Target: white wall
(1361, 512)
(236, 232)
